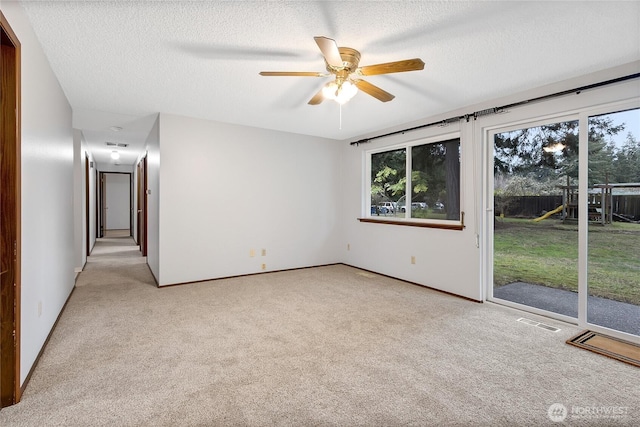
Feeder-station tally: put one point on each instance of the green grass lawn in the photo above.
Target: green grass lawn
(546, 253)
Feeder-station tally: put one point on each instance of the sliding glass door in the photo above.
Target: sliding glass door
(613, 278)
(535, 223)
(564, 218)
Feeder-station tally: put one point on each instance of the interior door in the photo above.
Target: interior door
(102, 204)
(87, 231)
(142, 225)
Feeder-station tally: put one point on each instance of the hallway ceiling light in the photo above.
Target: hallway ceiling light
(115, 155)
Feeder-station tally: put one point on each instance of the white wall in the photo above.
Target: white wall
(80, 153)
(134, 202)
(47, 193)
(227, 189)
(118, 201)
(445, 259)
(110, 167)
(153, 199)
(80, 255)
(453, 261)
(93, 195)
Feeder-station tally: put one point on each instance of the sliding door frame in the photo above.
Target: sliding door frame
(600, 101)
(489, 215)
(583, 208)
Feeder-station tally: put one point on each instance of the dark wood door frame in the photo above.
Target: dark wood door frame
(87, 166)
(101, 197)
(103, 201)
(10, 203)
(142, 202)
(139, 204)
(97, 182)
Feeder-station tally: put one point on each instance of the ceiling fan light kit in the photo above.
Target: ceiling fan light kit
(343, 63)
(341, 93)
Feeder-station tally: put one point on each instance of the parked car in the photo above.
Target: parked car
(379, 210)
(414, 206)
(387, 207)
(438, 206)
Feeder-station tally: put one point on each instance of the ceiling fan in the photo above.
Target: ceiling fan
(343, 63)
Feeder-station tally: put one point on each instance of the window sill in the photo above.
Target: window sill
(409, 223)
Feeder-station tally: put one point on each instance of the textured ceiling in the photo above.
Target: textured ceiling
(120, 62)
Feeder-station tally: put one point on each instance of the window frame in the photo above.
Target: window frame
(407, 220)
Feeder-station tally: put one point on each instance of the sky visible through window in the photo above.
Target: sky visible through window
(631, 120)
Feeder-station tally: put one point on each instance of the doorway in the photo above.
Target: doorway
(535, 226)
(141, 217)
(563, 222)
(10, 216)
(87, 204)
(116, 212)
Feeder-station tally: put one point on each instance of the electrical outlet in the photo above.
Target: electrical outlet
(413, 260)
(264, 266)
(264, 252)
(348, 246)
(252, 253)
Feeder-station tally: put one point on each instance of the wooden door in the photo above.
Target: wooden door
(103, 205)
(9, 215)
(86, 204)
(142, 205)
(140, 236)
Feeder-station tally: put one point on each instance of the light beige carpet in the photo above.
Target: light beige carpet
(327, 346)
(117, 233)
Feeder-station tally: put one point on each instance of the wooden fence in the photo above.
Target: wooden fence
(534, 206)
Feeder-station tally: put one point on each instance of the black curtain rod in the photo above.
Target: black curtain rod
(496, 110)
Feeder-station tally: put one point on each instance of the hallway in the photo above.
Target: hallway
(115, 261)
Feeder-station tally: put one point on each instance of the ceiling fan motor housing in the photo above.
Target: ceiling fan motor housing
(350, 60)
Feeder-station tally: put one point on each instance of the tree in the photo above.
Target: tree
(627, 161)
(452, 181)
(388, 178)
(601, 150)
(549, 154)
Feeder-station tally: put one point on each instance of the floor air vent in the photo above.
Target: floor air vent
(365, 274)
(538, 324)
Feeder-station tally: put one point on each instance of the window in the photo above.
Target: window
(429, 191)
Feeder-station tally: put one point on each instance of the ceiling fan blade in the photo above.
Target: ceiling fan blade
(392, 67)
(293, 73)
(374, 91)
(329, 50)
(317, 98)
